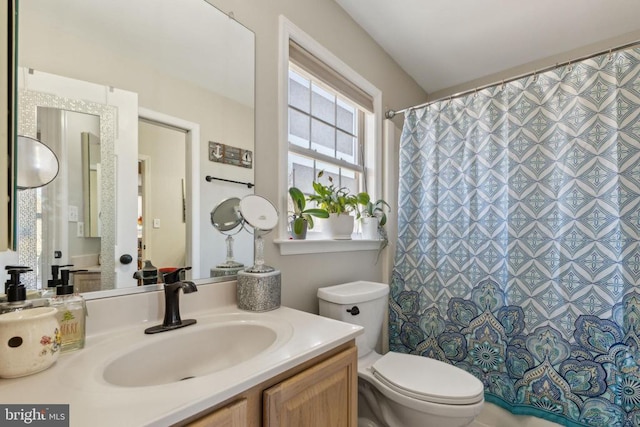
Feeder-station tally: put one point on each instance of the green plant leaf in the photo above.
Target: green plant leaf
(363, 198)
(317, 212)
(298, 198)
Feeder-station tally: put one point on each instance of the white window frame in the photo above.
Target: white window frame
(373, 151)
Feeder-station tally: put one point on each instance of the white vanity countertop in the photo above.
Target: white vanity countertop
(76, 378)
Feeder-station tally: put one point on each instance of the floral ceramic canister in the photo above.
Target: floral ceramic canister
(29, 341)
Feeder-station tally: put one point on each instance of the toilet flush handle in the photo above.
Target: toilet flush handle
(353, 310)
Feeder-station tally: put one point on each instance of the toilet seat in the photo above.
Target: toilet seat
(427, 379)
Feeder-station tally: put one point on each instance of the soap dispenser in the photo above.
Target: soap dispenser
(16, 292)
(54, 281)
(72, 311)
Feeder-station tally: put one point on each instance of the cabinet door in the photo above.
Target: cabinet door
(323, 395)
(234, 415)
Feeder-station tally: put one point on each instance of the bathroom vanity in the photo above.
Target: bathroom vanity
(232, 368)
(320, 392)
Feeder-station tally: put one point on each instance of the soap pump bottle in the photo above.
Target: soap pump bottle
(55, 281)
(72, 311)
(16, 292)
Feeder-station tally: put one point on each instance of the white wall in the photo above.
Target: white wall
(330, 26)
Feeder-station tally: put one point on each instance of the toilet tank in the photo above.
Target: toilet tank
(361, 303)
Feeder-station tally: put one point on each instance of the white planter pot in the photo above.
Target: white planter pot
(338, 226)
(369, 228)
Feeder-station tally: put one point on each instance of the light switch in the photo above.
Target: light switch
(156, 222)
(73, 213)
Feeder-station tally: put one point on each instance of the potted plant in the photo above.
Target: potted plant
(302, 218)
(373, 218)
(339, 203)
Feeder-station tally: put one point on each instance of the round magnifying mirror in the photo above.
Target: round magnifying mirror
(225, 216)
(36, 164)
(259, 212)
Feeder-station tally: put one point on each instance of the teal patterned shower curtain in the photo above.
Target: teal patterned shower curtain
(518, 254)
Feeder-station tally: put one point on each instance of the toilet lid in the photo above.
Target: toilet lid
(427, 379)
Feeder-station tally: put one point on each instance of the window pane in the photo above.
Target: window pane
(323, 105)
(347, 117)
(323, 138)
(299, 91)
(298, 128)
(330, 170)
(301, 173)
(347, 146)
(322, 125)
(349, 180)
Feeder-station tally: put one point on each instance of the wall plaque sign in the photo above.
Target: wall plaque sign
(222, 153)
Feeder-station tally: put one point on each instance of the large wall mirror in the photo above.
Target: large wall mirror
(130, 95)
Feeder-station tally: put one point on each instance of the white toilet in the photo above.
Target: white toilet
(395, 389)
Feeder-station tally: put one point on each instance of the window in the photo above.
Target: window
(330, 120)
(326, 124)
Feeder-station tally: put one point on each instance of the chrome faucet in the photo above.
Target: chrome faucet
(172, 288)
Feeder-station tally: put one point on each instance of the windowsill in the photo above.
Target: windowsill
(317, 244)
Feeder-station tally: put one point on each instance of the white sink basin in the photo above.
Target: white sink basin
(194, 351)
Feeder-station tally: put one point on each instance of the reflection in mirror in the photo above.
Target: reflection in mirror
(37, 164)
(227, 220)
(183, 64)
(162, 195)
(91, 183)
(50, 224)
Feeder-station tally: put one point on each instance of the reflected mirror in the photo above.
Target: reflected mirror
(163, 81)
(227, 220)
(90, 169)
(36, 165)
(226, 216)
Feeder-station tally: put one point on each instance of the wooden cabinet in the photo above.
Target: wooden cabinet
(234, 415)
(323, 395)
(319, 393)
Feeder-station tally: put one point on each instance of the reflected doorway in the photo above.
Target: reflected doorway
(162, 227)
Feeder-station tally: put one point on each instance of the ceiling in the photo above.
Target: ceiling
(188, 40)
(443, 43)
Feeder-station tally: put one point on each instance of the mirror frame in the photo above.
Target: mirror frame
(8, 125)
(28, 124)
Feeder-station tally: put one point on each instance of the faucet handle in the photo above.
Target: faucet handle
(174, 276)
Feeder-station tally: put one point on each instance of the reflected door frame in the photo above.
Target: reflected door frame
(192, 183)
(144, 170)
(114, 106)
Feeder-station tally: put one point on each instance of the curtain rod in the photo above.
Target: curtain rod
(389, 114)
